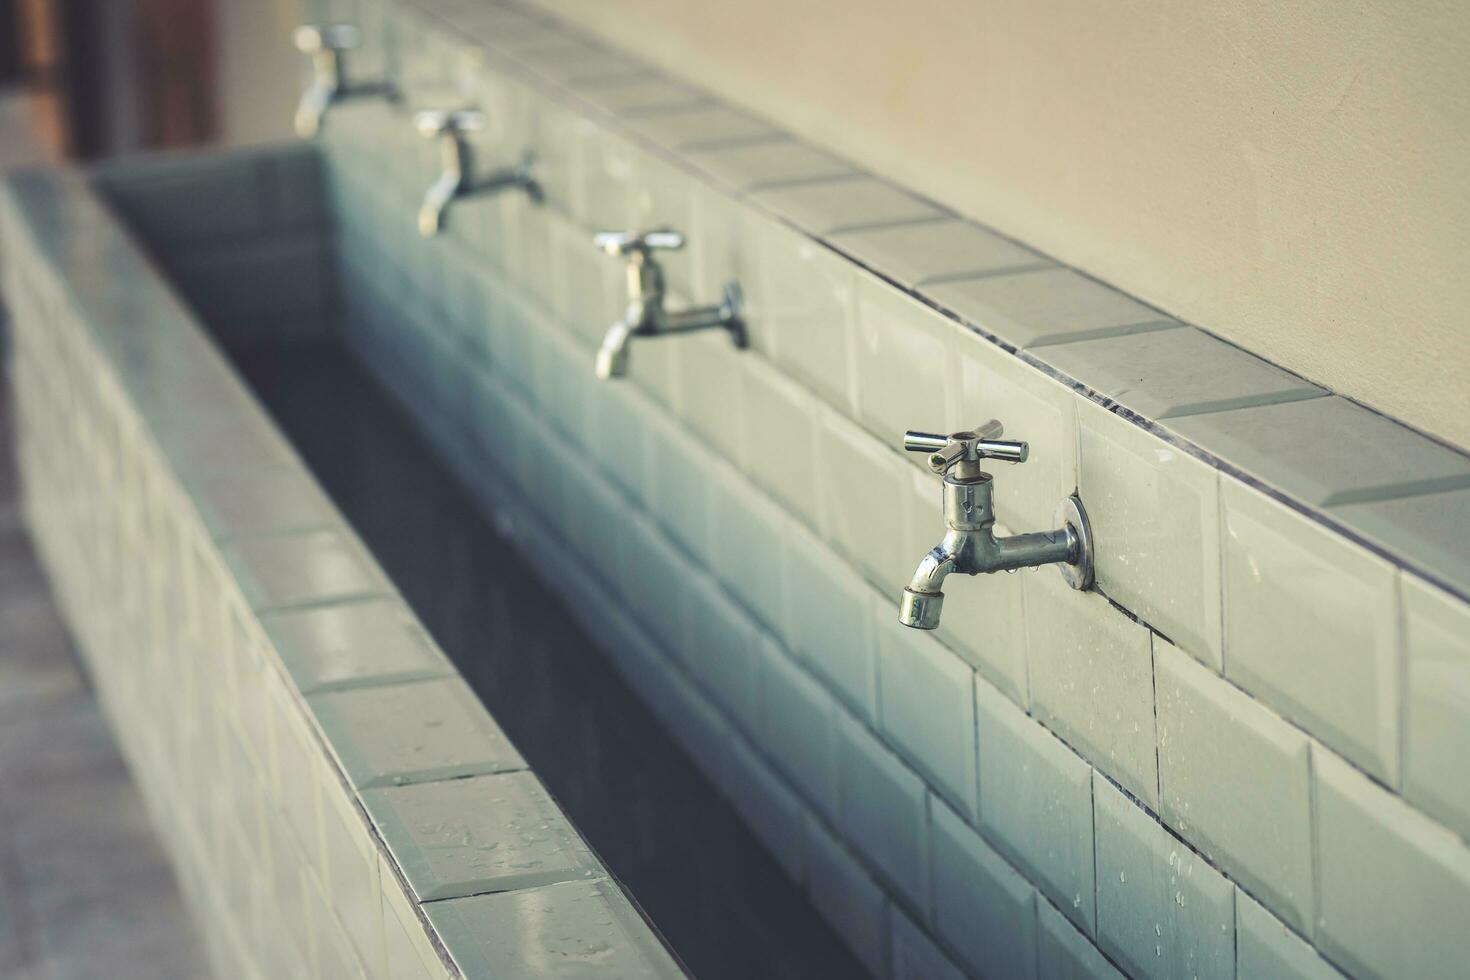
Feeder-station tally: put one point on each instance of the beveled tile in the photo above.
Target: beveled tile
(1036, 805)
(398, 734)
(784, 466)
(1062, 951)
(1376, 853)
(915, 955)
(1166, 374)
(265, 501)
(995, 384)
(902, 364)
(884, 811)
(798, 728)
(1328, 451)
(645, 93)
(799, 303)
(1267, 948)
(1293, 585)
(297, 569)
(1046, 306)
(481, 834)
(1234, 782)
(779, 160)
(1162, 911)
(822, 207)
(1437, 722)
(847, 897)
(338, 646)
(944, 248)
(573, 929)
(1427, 530)
(1092, 679)
(702, 126)
(862, 498)
(1154, 511)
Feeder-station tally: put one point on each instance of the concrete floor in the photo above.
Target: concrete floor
(85, 888)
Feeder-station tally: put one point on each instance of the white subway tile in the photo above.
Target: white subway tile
(995, 384)
(863, 494)
(777, 432)
(1311, 627)
(1062, 951)
(847, 897)
(1394, 885)
(1092, 679)
(799, 302)
(769, 806)
(798, 729)
(903, 364)
(1162, 911)
(1265, 947)
(1155, 515)
(1036, 804)
(750, 534)
(1235, 783)
(709, 393)
(723, 651)
(828, 624)
(982, 908)
(1045, 306)
(915, 957)
(884, 812)
(927, 702)
(350, 875)
(1437, 722)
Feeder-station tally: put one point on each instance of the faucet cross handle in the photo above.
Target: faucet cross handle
(439, 122)
(312, 38)
(631, 242)
(966, 449)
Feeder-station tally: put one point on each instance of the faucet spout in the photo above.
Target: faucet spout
(612, 356)
(440, 193)
(923, 597)
(315, 101)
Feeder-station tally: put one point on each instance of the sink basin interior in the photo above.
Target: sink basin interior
(249, 239)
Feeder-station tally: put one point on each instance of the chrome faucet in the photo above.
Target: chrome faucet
(457, 178)
(969, 544)
(646, 316)
(328, 44)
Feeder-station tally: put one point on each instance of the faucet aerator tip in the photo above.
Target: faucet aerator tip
(920, 610)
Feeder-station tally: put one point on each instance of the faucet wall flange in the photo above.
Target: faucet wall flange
(1079, 573)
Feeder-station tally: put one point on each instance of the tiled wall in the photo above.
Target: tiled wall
(1242, 755)
(337, 802)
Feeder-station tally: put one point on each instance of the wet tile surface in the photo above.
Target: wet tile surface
(349, 644)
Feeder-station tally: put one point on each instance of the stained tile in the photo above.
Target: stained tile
(1046, 306)
(1162, 911)
(572, 929)
(826, 206)
(925, 251)
(410, 733)
(1294, 585)
(1375, 853)
(1437, 726)
(296, 569)
(1155, 516)
(348, 644)
(685, 129)
(482, 834)
(1235, 783)
(770, 162)
(1165, 374)
(1427, 530)
(1328, 451)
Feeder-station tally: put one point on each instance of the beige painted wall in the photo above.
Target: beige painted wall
(1293, 176)
(260, 73)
